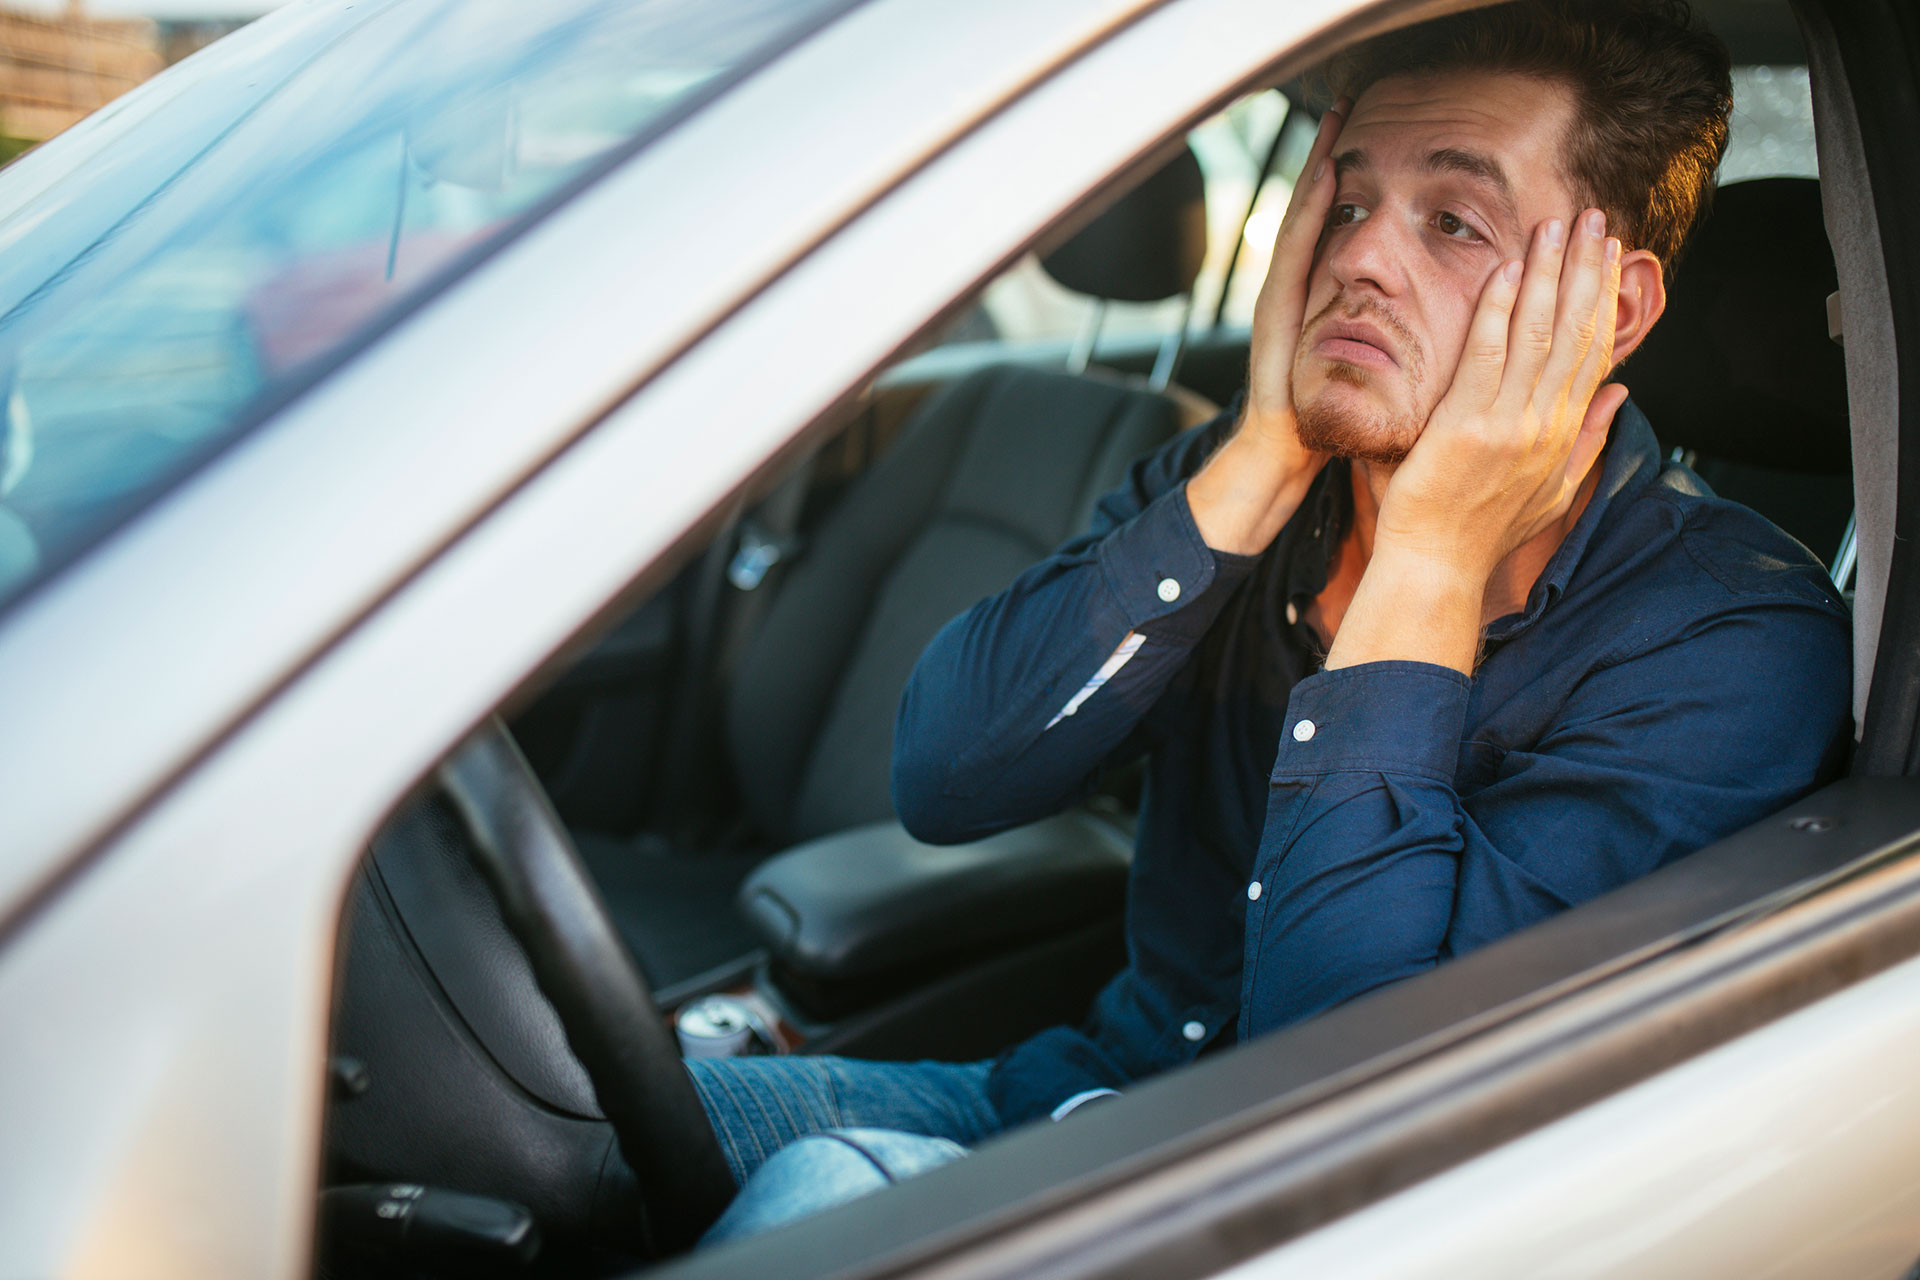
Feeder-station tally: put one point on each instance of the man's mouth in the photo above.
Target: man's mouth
(1356, 342)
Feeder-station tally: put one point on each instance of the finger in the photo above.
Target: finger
(1576, 326)
(1530, 334)
(1476, 382)
(1313, 193)
(1606, 314)
(1281, 306)
(1594, 427)
(1330, 125)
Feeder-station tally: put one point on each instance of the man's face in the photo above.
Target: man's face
(1441, 178)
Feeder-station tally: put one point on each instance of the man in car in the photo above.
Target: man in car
(1422, 640)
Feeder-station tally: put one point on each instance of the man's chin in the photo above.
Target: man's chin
(1344, 420)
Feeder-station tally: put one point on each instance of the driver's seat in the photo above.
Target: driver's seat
(988, 475)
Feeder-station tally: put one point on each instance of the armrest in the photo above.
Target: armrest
(873, 900)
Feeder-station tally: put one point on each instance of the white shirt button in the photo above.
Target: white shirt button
(1169, 590)
(1194, 1031)
(1303, 731)
(1293, 613)
(1253, 892)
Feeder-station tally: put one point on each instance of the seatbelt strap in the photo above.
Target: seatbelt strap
(767, 545)
(770, 533)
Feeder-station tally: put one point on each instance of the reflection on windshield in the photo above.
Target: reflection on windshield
(419, 132)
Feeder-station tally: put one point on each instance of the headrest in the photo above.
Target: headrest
(1741, 368)
(1147, 246)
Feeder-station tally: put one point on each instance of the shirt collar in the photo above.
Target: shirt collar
(1631, 458)
(1315, 532)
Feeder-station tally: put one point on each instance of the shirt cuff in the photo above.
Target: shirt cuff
(1379, 717)
(1159, 567)
(1079, 1100)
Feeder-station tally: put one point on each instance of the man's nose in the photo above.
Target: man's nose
(1371, 252)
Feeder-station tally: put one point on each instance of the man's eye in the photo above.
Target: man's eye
(1345, 215)
(1452, 224)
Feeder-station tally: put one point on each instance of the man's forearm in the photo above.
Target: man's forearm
(1058, 670)
(1249, 489)
(1411, 609)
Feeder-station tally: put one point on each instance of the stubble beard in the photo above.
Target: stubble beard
(1346, 430)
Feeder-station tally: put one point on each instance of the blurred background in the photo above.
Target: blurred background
(60, 59)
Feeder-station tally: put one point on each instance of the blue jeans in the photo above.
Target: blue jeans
(802, 1134)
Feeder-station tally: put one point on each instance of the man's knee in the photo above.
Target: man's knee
(826, 1169)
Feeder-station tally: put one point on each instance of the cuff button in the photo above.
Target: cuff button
(1194, 1031)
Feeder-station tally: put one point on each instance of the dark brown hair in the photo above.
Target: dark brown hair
(1651, 97)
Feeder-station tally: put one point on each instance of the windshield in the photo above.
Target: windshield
(250, 215)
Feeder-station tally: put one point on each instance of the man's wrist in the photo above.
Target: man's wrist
(1247, 491)
(1412, 607)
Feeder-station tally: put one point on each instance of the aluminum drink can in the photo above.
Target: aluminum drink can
(715, 1027)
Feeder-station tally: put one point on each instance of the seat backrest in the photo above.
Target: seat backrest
(1741, 370)
(988, 475)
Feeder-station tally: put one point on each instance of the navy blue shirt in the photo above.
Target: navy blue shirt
(1680, 670)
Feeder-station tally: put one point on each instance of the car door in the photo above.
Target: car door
(171, 906)
(173, 951)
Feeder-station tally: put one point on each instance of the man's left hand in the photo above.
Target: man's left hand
(1503, 455)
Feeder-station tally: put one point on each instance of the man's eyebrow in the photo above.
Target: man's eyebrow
(1351, 161)
(1483, 168)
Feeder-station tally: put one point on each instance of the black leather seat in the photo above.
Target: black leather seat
(1741, 371)
(988, 475)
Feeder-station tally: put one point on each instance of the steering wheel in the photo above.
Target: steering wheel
(606, 1008)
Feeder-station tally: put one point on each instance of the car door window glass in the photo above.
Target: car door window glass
(415, 136)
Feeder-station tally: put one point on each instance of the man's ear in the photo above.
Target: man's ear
(1643, 297)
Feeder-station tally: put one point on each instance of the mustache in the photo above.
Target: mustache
(1345, 308)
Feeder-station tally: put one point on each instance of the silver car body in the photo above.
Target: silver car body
(207, 717)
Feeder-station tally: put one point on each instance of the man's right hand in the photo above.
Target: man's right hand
(1247, 491)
